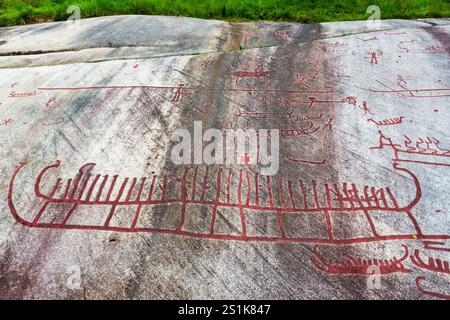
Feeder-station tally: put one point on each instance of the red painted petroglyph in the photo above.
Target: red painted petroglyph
(340, 44)
(259, 72)
(405, 92)
(310, 101)
(329, 125)
(433, 49)
(435, 245)
(6, 122)
(434, 265)
(387, 122)
(425, 151)
(374, 55)
(50, 101)
(351, 101)
(14, 94)
(177, 94)
(366, 108)
(299, 131)
(429, 293)
(301, 79)
(353, 266)
(79, 191)
(260, 114)
(292, 159)
(309, 117)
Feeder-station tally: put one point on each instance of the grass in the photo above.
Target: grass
(15, 12)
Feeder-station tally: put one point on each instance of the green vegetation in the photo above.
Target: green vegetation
(14, 12)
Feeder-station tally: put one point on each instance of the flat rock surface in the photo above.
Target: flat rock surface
(93, 207)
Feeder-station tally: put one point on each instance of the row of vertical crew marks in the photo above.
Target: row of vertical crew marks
(220, 204)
